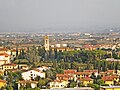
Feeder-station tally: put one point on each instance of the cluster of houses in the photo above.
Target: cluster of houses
(28, 74)
(110, 77)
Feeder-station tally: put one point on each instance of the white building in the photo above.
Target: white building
(23, 83)
(4, 58)
(43, 68)
(32, 74)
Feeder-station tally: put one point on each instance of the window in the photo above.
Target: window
(53, 85)
(46, 41)
(57, 85)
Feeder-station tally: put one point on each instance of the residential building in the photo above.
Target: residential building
(23, 66)
(71, 72)
(85, 81)
(5, 50)
(4, 58)
(32, 74)
(110, 80)
(43, 68)
(83, 74)
(59, 84)
(64, 77)
(62, 49)
(9, 66)
(24, 83)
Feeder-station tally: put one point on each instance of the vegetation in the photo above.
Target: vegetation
(79, 60)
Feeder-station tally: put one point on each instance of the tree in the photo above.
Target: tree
(1, 77)
(42, 82)
(9, 88)
(36, 88)
(73, 84)
(28, 85)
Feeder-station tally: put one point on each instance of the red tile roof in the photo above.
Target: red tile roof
(109, 78)
(83, 73)
(10, 64)
(86, 79)
(3, 49)
(3, 81)
(4, 54)
(70, 71)
(91, 71)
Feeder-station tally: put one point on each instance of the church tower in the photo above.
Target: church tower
(46, 43)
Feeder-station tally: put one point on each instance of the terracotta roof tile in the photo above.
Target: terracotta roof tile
(86, 79)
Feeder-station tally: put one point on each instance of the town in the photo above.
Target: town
(72, 61)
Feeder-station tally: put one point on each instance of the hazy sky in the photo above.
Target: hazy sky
(58, 15)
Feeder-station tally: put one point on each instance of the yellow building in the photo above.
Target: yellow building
(110, 88)
(83, 74)
(85, 81)
(2, 83)
(110, 79)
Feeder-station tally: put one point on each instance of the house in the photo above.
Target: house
(91, 71)
(62, 49)
(2, 83)
(4, 58)
(23, 66)
(32, 74)
(71, 72)
(110, 80)
(85, 81)
(5, 50)
(64, 77)
(9, 66)
(23, 83)
(89, 47)
(110, 88)
(83, 74)
(110, 72)
(103, 73)
(58, 84)
(43, 68)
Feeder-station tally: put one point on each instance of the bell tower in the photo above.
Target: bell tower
(46, 43)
